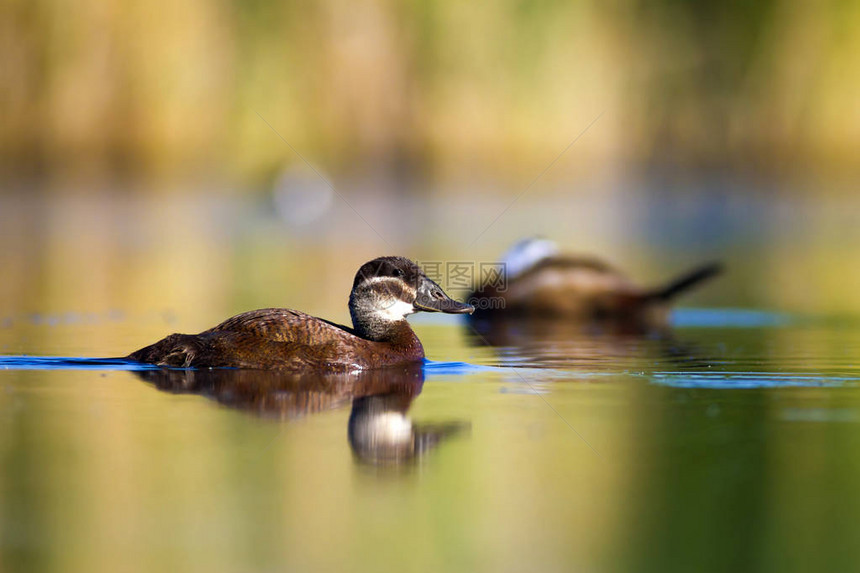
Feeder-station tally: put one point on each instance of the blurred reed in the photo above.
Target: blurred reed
(421, 90)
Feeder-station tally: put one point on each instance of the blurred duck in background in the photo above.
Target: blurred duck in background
(543, 283)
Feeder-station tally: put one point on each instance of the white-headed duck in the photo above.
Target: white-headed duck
(384, 292)
(541, 282)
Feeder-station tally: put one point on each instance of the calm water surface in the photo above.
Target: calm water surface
(730, 445)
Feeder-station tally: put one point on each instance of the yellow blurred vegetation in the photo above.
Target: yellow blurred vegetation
(434, 89)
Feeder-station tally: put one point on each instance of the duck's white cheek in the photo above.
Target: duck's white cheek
(396, 310)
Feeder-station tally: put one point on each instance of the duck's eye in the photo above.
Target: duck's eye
(399, 273)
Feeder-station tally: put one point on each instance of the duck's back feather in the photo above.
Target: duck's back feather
(278, 338)
(285, 325)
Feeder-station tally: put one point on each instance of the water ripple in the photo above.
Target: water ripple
(743, 380)
(727, 318)
(442, 368)
(24, 362)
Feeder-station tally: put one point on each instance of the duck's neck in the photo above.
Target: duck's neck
(373, 326)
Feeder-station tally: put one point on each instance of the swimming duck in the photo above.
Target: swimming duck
(384, 292)
(543, 282)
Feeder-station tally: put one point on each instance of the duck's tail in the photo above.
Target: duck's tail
(176, 350)
(686, 281)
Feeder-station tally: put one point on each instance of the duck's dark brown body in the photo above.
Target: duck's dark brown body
(582, 289)
(384, 292)
(567, 286)
(280, 338)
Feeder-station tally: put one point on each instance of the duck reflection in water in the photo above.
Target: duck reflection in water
(548, 343)
(379, 431)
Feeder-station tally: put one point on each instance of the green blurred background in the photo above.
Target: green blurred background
(428, 89)
(159, 145)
